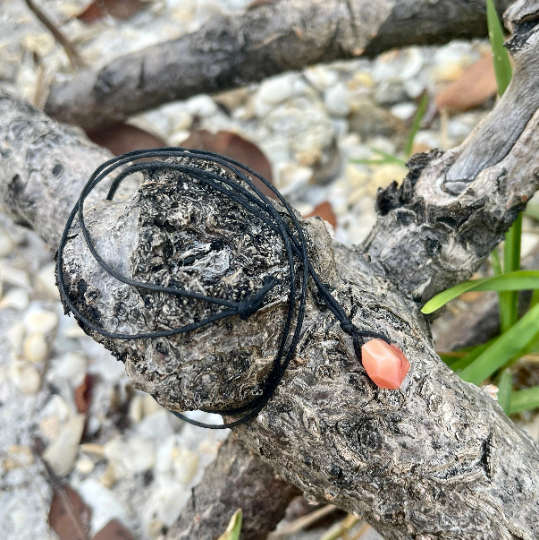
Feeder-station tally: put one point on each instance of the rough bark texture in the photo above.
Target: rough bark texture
(436, 458)
(236, 479)
(272, 38)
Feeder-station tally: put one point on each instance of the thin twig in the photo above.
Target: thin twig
(362, 530)
(303, 522)
(70, 49)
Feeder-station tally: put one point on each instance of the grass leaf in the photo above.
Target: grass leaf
(500, 56)
(384, 159)
(464, 362)
(505, 386)
(508, 346)
(524, 400)
(233, 530)
(509, 300)
(514, 281)
(420, 113)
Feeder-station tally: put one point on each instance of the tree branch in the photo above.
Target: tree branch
(279, 36)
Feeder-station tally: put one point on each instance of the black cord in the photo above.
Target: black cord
(239, 187)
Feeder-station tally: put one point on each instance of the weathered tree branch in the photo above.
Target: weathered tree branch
(436, 458)
(275, 37)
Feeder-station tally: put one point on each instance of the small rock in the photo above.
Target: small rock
(398, 65)
(72, 366)
(182, 121)
(135, 409)
(169, 500)
(414, 88)
(321, 77)
(232, 99)
(57, 406)
(26, 377)
(491, 390)
(404, 111)
(390, 93)
(369, 121)
(18, 456)
(104, 504)
(336, 100)
(14, 276)
(15, 299)
(292, 176)
(84, 465)
(185, 464)
(93, 449)
(46, 282)
(131, 456)
(6, 243)
(50, 427)
(62, 453)
(261, 108)
(448, 72)
(363, 78)
(202, 106)
(41, 44)
(357, 177)
(36, 348)
(15, 335)
(150, 405)
(278, 89)
(40, 321)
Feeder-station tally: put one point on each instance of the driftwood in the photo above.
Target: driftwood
(274, 37)
(435, 459)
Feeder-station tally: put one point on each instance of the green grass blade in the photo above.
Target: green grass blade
(500, 56)
(233, 530)
(535, 298)
(505, 386)
(514, 281)
(524, 400)
(462, 363)
(506, 347)
(420, 113)
(496, 263)
(509, 300)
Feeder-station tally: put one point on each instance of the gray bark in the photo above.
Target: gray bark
(274, 37)
(435, 459)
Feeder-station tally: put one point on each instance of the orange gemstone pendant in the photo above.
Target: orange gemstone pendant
(385, 364)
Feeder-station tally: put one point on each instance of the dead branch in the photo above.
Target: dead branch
(69, 48)
(272, 38)
(437, 458)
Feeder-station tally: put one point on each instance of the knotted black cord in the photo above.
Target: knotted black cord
(254, 202)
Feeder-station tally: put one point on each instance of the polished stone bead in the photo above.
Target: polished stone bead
(385, 364)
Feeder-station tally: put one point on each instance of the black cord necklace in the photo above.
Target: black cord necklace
(239, 187)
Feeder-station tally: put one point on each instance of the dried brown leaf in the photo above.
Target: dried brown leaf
(123, 138)
(119, 9)
(325, 211)
(236, 147)
(69, 517)
(477, 84)
(83, 394)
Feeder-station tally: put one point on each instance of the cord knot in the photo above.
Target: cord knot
(253, 302)
(348, 327)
